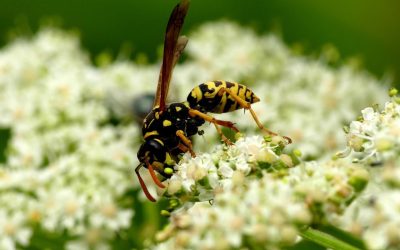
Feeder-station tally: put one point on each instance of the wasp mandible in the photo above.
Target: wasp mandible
(167, 128)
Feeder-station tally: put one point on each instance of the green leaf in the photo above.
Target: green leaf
(326, 240)
(343, 235)
(305, 245)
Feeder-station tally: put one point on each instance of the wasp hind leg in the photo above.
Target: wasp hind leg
(195, 112)
(246, 105)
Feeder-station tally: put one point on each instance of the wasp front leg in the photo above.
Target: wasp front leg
(246, 105)
(143, 185)
(195, 112)
(182, 148)
(186, 141)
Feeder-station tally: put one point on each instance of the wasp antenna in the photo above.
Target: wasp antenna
(143, 185)
(153, 175)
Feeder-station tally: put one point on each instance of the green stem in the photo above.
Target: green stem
(325, 240)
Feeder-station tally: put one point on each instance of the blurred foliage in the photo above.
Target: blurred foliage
(4, 137)
(367, 30)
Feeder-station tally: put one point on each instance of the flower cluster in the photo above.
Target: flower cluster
(267, 209)
(249, 213)
(65, 170)
(374, 140)
(375, 218)
(201, 177)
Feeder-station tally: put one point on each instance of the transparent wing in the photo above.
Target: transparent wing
(173, 47)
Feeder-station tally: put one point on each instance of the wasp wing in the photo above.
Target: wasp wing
(180, 46)
(173, 47)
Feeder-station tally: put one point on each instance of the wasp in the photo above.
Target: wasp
(167, 129)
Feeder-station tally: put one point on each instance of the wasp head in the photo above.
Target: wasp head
(154, 152)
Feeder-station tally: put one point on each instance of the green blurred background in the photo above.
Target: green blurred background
(366, 29)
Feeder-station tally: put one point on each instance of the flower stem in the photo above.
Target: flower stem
(325, 240)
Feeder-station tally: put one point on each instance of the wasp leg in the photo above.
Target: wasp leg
(246, 105)
(183, 148)
(228, 124)
(195, 112)
(186, 141)
(143, 185)
(153, 175)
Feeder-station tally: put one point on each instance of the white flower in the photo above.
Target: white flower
(225, 170)
(106, 214)
(376, 137)
(62, 155)
(376, 218)
(13, 230)
(207, 173)
(374, 141)
(266, 209)
(93, 238)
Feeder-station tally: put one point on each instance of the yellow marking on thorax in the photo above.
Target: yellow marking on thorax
(150, 134)
(178, 109)
(166, 123)
(186, 104)
(157, 115)
(159, 141)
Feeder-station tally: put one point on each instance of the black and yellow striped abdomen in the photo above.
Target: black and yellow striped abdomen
(210, 96)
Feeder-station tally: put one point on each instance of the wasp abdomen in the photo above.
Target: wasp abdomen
(211, 97)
